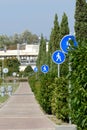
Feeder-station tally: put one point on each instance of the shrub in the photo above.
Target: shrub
(46, 92)
(79, 86)
(59, 101)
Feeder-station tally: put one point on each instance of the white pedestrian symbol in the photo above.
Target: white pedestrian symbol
(35, 69)
(68, 44)
(44, 68)
(58, 57)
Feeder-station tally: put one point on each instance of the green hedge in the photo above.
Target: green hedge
(52, 94)
(46, 93)
(78, 59)
(59, 101)
(32, 82)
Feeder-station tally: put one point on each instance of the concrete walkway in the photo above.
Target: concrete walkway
(22, 112)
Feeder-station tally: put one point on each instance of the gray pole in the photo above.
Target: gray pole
(2, 69)
(69, 89)
(58, 70)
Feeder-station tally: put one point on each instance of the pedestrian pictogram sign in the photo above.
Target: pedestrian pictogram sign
(44, 68)
(58, 57)
(64, 43)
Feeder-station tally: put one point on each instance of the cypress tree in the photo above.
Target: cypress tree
(50, 46)
(42, 53)
(64, 27)
(64, 30)
(81, 20)
(54, 42)
(56, 34)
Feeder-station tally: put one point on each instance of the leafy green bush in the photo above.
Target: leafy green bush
(28, 71)
(32, 82)
(52, 94)
(59, 101)
(46, 92)
(78, 78)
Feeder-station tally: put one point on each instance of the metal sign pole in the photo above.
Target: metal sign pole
(58, 70)
(2, 70)
(65, 45)
(69, 89)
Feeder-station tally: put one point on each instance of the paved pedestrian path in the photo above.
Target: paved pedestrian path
(22, 112)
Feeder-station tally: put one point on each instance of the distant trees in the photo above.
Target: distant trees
(4, 41)
(28, 37)
(12, 64)
(11, 41)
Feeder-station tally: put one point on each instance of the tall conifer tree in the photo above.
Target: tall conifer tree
(81, 20)
(50, 46)
(56, 34)
(42, 52)
(64, 27)
(64, 30)
(54, 42)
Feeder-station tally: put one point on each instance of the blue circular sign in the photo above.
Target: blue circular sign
(58, 57)
(5, 70)
(44, 68)
(35, 69)
(64, 43)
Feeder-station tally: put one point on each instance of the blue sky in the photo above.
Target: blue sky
(37, 16)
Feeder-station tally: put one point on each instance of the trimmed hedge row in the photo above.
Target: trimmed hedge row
(78, 59)
(52, 94)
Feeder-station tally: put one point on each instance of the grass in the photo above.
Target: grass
(3, 99)
(14, 87)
